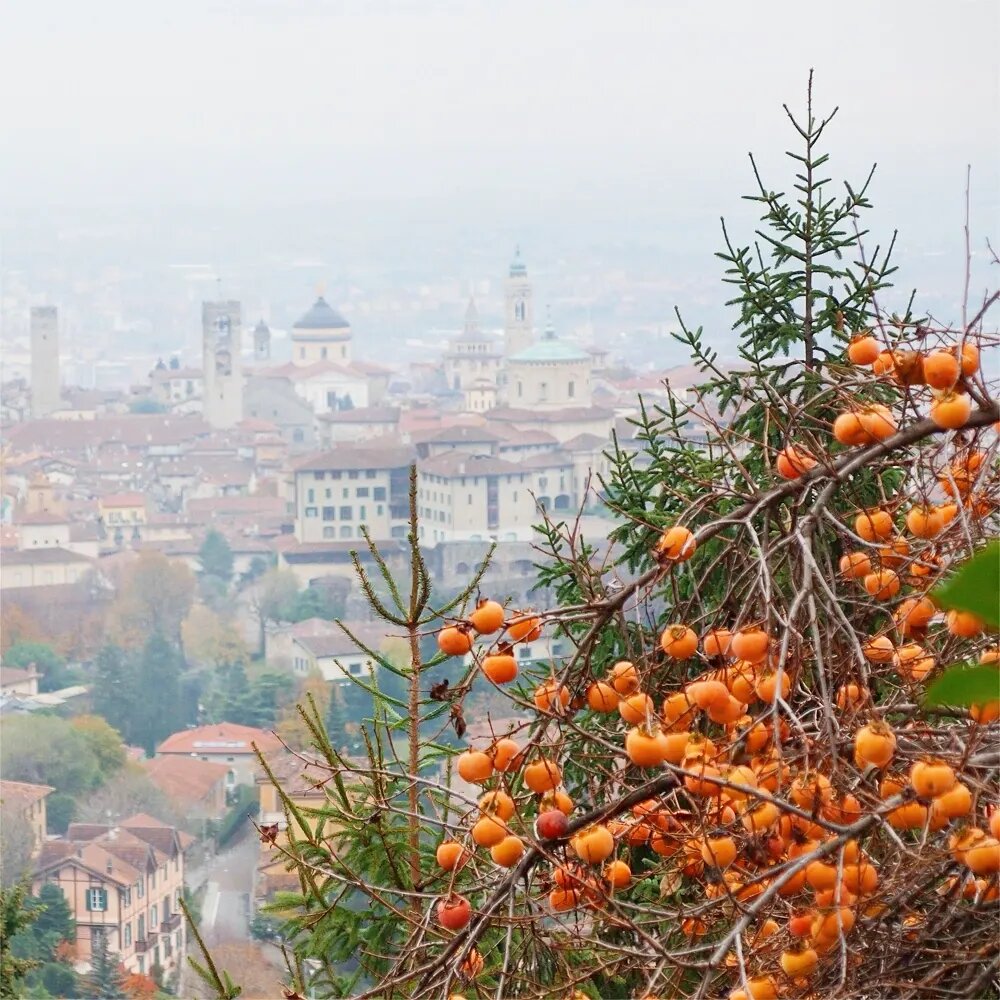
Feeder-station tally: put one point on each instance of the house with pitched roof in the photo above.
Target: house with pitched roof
(28, 800)
(223, 743)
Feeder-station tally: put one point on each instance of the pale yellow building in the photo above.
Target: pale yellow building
(28, 800)
(321, 334)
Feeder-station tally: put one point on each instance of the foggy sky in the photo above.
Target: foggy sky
(275, 101)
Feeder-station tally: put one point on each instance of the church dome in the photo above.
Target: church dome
(550, 349)
(322, 316)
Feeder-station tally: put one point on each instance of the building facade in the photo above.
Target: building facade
(321, 334)
(519, 309)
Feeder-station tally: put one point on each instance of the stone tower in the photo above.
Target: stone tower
(261, 342)
(44, 360)
(519, 313)
(221, 326)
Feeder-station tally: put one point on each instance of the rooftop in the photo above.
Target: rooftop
(23, 791)
(43, 557)
(321, 316)
(219, 738)
(348, 457)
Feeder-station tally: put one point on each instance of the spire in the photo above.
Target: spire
(550, 330)
(471, 317)
(517, 268)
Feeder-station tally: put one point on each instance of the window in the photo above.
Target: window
(312, 511)
(379, 510)
(355, 668)
(127, 894)
(470, 500)
(363, 512)
(345, 493)
(328, 493)
(152, 917)
(322, 353)
(329, 513)
(140, 891)
(142, 964)
(127, 940)
(97, 899)
(352, 475)
(362, 491)
(310, 496)
(346, 513)
(319, 475)
(524, 652)
(329, 531)
(571, 390)
(378, 493)
(345, 531)
(369, 473)
(152, 879)
(520, 388)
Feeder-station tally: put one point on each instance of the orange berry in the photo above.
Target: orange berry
(508, 852)
(526, 628)
(727, 712)
(953, 804)
(884, 364)
(877, 422)
(969, 357)
(793, 461)
(983, 858)
(677, 709)
(644, 749)
(874, 744)
(676, 544)
(716, 642)
(912, 662)
(602, 697)
(941, 369)
(474, 766)
(497, 803)
(882, 585)
(964, 624)
(542, 776)
(924, 521)
(487, 618)
(704, 694)
(914, 614)
(894, 554)
(951, 410)
(863, 349)
(908, 816)
(505, 755)
(932, 778)
(451, 855)
(454, 640)
(879, 649)
(855, 565)
(561, 900)
(718, 851)
(766, 687)
(811, 790)
(624, 677)
(617, 874)
(488, 831)
(593, 844)
(679, 642)
(849, 430)
(636, 708)
(761, 818)
(873, 525)
(501, 668)
(551, 697)
(750, 644)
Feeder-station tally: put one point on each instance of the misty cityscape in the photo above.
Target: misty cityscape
(304, 303)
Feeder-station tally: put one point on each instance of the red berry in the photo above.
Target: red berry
(551, 824)
(454, 912)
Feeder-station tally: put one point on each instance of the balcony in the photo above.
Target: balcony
(171, 923)
(142, 945)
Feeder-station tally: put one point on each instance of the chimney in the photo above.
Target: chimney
(108, 866)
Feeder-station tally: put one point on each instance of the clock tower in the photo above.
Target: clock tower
(221, 328)
(519, 310)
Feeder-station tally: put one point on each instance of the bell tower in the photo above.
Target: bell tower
(519, 310)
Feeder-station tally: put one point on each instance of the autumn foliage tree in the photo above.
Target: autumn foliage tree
(735, 784)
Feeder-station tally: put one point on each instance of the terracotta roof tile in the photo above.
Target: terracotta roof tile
(223, 738)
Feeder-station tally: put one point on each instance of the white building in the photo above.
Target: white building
(472, 364)
(321, 334)
(549, 375)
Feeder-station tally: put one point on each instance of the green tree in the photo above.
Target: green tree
(58, 979)
(115, 692)
(47, 750)
(104, 740)
(159, 672)
(14, 918)
(216, 556)
(154, 595)
(269, 598)
(44, 659)
(105, 981)
(60, 811)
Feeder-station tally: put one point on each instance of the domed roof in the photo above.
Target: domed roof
(550, 348)
(322, 316)
(261, 327)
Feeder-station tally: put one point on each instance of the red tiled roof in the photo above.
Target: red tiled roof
(224, 738)
(123, 500)
(184, 779)
(349, 457)
(23, 791)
